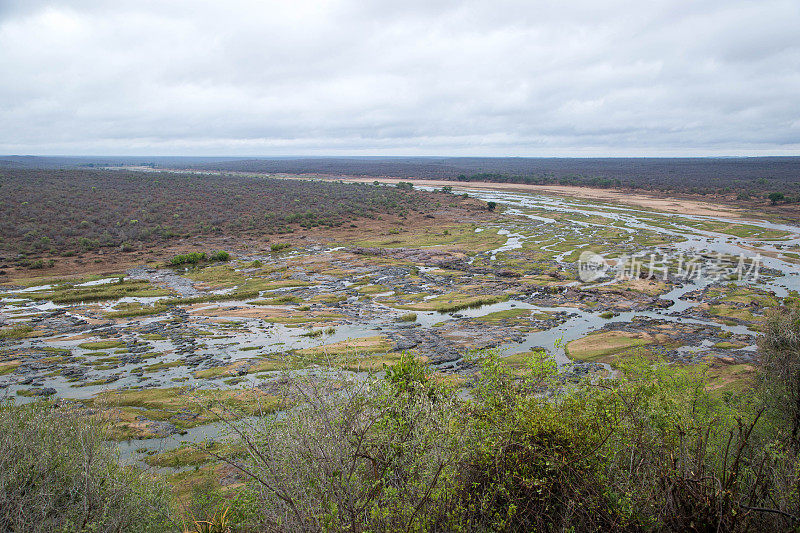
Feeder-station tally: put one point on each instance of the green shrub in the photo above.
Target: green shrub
(57, 473)
(368, 456)
(780, 349)
(651, 449)
(192, 258)
(16, 332)
(278, 246)
(220, 256)
(775, 197)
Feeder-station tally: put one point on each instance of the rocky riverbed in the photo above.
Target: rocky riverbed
(123, 344)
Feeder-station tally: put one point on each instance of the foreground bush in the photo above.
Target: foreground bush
(369, 456)
(653, 449)
(656, 448)
(780, 348)
(58, 474)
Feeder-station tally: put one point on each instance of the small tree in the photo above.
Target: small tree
(780, 361)
(491, 205)
(368, 456)
(775, 197)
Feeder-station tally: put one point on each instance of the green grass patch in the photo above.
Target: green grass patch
(129, 411)
(605, 345)
(408, 317)
(7, 367)
(501, 316)
(448, 303)
(101, 345)
(461, 236)
(21, 331)
(375, 344)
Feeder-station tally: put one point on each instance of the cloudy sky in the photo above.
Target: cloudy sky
(418, 77)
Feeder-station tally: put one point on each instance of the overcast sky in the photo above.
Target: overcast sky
(417, 77)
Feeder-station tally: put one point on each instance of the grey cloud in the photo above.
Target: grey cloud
(419, 77)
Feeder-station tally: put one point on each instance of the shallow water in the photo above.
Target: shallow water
(227, 341)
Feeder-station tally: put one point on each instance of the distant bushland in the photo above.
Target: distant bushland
(45, 211)
(690, 174)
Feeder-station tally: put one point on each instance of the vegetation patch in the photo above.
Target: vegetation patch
(67, 294)
(455, 301)
(375, 344)
(607, 345)
(133, 309)
(21, 331)
(101, 345)
(373, 289)
(189, 455)
(278, 300)
(223, 371)
(504, 316)
(136, 413)
(462, 236)
(7, 367)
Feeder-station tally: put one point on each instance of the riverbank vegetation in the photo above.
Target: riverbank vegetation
(57, 473)
(667, 418)
(657, 447)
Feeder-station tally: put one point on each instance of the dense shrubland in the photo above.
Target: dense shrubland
(745, 179)
(657, 448)
(752, 176)
(57, 473)
(70, 211)
(653, 449)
